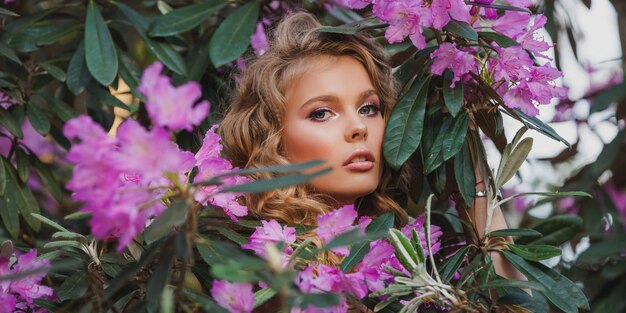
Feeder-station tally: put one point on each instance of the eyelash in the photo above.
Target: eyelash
(374, 106)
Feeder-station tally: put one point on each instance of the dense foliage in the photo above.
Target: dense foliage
(144, 216)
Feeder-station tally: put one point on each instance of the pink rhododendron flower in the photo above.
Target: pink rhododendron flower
(272, 233)
(169, 106)
(235, 297)
(21, 291)
(332, 224)
(372, 266)
(618, 197)
(259, 41)
(150, 153)
(317, 278)
(512, 23)
(539, 88)
(210, 164)
(489, 13)
(447, 56)
(111, 176)
(354, 4)
(513, 63)
(405, 18)
(443, 10)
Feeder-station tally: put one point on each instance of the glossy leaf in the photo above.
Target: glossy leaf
(232, 37)
(536, 124)
(100, 51)
(555, 230)
(262, 296)
(8, 52)
(505, 283)
(158, 281)
(185, 18)
(23, 164)
(519, 232)
(451, 265)
(535, 252)
(562, 292)
(48, 179)
(380, 225)
(9, 123)
(53, 71)
(60, 108)
(453, 141)
(502, 40)
(38, 119)
(8, 213)
(275, 183)
(462, 29)
(78, 76)
(173, 216)
(18, 195)
(434, 154)
(406, 123)
(164, 51)
(73, 287)
(514, 161)
(498, 6)
(453, 96)
(464, 174)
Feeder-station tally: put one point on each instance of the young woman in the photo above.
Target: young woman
(321, 96)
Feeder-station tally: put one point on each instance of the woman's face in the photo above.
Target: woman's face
(333, 114)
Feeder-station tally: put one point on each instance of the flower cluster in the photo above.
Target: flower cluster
(122, 180)
(369, 275)
(18, 294)
(511, 70)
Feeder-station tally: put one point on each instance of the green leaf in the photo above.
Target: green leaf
(536, 124)
(7, 121)
(462, 29)
(19, 195)
(498, 6)
(275, 183)
(263, 296)
(174, 215)
(48, 180)
(464, 174)
(50, 222)
(555, 230)
(451, 265)
(599, 252)
(513, 161)
(453, 96)
(343, 240)
(505, 283)
(100, 51)
(185, 18)
(158, 280)
(8, 212)
(433, 157)
(4, 11)
(559, 194)
(38, 119)
(455, 138)
(23, 165)
(610, 95)
(130, 270)
(207, 304)
(520, 232)
(406, 123)
(32, 38)
(232, 37)
(73, 287)
(8, 52)
(353, 28)
(502, 40)
(60, 108)
(53, 71)
(535, 252)
(163, 51)
(404, 250)
(104, 96)
(78, 76)
(380, 225)
(558, 289)
(232, 235)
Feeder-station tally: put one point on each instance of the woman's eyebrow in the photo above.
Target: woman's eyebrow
(331, 98)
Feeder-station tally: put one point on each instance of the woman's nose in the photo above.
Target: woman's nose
(357, 130)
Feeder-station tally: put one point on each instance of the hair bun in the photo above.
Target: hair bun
(297, 31)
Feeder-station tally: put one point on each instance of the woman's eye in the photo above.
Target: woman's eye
(320, 115)
(369, 110)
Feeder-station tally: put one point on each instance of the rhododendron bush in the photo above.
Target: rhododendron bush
(115, 194)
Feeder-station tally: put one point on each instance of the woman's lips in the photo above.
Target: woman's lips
(359, 160)
(360, 166)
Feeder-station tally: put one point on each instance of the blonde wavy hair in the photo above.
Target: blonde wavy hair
(251, 128)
